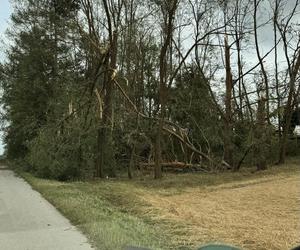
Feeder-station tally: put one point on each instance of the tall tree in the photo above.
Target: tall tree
(168, 9)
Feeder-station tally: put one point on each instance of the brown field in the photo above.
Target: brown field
(263, 214)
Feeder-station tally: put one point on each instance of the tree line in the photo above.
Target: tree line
(101, 87)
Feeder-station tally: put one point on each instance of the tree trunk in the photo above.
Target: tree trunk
(228, 128)
(168, 29)
(264, 73)
(105, 147)
(261, 136)
(132, 162)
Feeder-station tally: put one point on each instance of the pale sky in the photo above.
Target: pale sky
(4, 16)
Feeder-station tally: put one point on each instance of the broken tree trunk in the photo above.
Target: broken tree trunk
(228, 128)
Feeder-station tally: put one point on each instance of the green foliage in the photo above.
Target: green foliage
(38, 80)
(293, 147)
(28, 90)
(63, 153)
(192, 107)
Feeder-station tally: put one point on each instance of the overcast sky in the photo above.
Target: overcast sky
(4, 16)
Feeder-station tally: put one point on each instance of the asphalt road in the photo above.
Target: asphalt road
(29, 222)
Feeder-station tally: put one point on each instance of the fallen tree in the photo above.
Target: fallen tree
(185, 141)
(174, 165)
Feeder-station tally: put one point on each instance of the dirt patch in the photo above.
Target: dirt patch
(263, 215)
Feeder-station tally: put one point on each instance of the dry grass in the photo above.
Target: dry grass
(253, 215)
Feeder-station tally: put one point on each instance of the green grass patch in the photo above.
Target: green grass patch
(88, 206)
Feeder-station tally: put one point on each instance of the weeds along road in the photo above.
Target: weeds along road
(29, 222)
